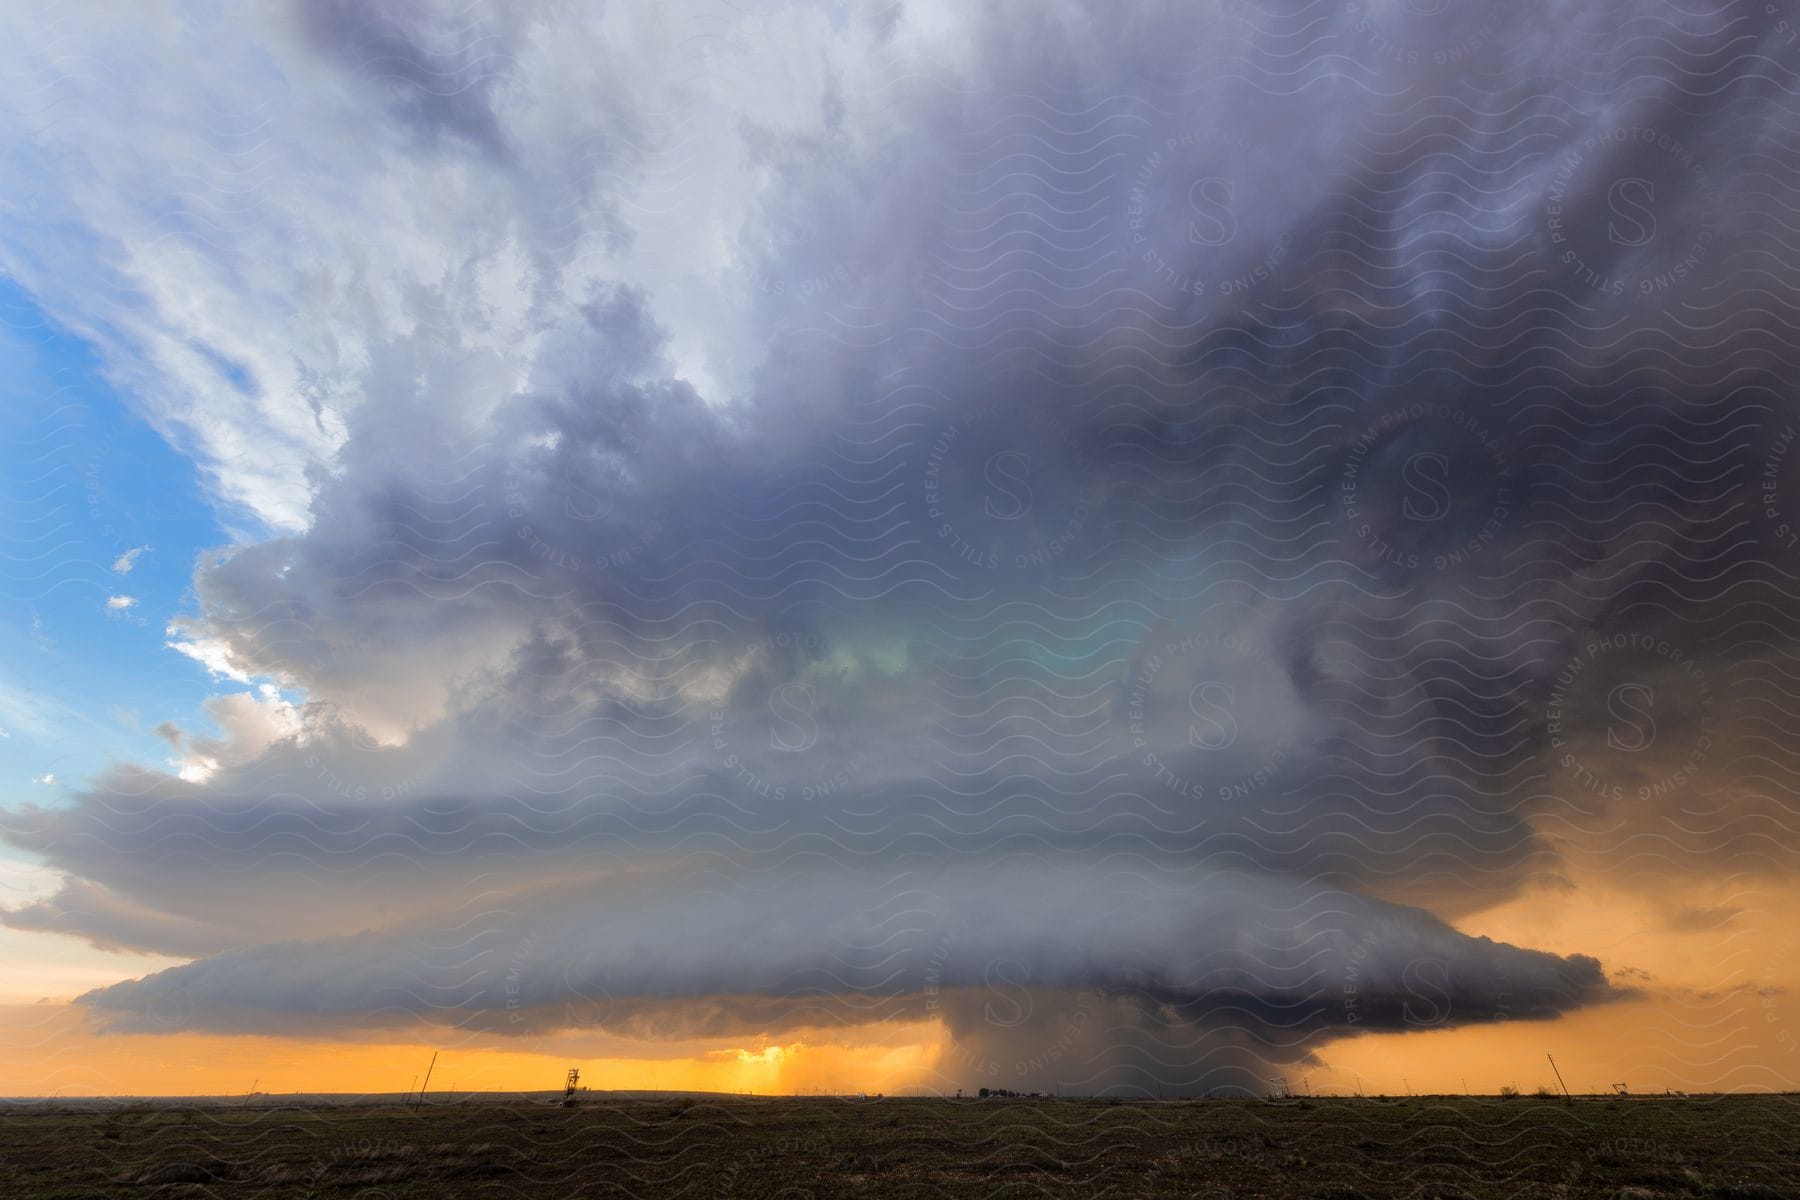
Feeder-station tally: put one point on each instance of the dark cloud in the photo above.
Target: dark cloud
(1210, 477)
(1094, 978)
(433, 73)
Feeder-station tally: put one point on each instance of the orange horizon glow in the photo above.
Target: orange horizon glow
(51, 1050)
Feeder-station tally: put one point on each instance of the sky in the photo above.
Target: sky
(1168, 549)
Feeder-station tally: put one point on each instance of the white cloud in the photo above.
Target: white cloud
(121, 603)
(249, 723)
(212, 653)
(122, 565)
(358, 240)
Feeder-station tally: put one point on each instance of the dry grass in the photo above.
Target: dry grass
(1739, 1148)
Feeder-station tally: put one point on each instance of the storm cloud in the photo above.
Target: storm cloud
(826, 515)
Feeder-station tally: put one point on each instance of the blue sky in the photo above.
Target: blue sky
(87, 482)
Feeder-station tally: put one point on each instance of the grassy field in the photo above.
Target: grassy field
(1735, 1148)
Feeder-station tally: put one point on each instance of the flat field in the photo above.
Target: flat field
(1733, 1148)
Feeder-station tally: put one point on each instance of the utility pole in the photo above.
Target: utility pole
(427, 1083)
(1559, 1078)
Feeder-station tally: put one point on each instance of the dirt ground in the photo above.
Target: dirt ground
(1735, 1148)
